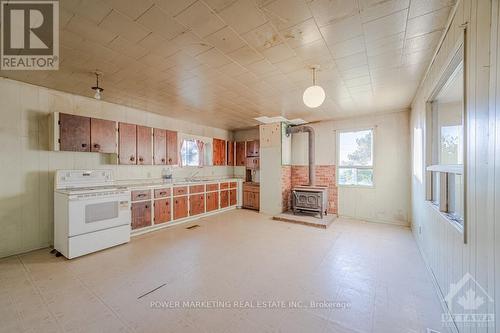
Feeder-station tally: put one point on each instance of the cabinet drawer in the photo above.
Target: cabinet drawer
(233, 184)
(251, 188)
(141, 195)
(196, 188)
(181, 190)
(224, 186)
(162, 192)
(212, 187)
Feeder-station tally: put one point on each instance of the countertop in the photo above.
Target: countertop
(156, 183)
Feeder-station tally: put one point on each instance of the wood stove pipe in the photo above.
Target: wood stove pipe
(312, 166)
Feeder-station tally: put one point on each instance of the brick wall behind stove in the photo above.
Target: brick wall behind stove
(286, 187)
(325, 175)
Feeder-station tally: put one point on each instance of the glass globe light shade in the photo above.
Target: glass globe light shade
(314, 96)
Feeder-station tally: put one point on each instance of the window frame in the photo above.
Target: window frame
(358, 167)
(457, 58)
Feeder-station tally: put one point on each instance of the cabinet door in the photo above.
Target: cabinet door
(74, 132)
(102, 135)
(196, 204)
(247, 199)
(180, 207)
(224, 199)
(162, 211)
(240, 153)
(253, 148)
(127, 143)
(232, 197)
(160, 146)
(230, 153)
(212, 201)
(219, 152)
(172, 148)
(141, 214)
(144, 145)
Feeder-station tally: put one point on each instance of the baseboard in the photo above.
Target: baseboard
(383, 221)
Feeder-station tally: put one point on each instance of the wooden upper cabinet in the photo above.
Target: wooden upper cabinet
(253, 148)
(74, 132)
(160, 146)
(240, 153)
(102, 135)
(219, 152)
(172, 148)
(127, 143)
(230, 153)
(144, 145)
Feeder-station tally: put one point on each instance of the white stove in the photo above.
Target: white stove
(90, 212)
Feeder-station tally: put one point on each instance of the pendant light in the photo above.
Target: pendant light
(98, 90)
(314, 96)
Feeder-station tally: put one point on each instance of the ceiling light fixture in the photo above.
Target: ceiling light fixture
(98, 90)
(314, 96)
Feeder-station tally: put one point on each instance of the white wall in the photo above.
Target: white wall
(388, 201)
(27, 167)
(442, 245)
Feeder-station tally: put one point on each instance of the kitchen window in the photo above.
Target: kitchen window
(445, 143)
(190, 153)
(355, 158)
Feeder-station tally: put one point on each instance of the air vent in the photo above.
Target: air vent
(193, 227)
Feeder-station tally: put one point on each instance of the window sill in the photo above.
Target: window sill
(370, 187)
(457, 169)
(450, 218)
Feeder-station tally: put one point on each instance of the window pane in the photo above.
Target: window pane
(447, 109)
(365, 177)
(190, 153)
(456, 200)
(347, 176)
(435, 188)
(355, 148)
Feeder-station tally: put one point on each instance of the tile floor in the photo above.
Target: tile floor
(238, 256)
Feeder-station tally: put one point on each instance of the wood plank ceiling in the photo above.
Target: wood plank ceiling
(224, 62)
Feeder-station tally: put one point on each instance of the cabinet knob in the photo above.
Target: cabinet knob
(97, 146)
(170, 160)
(176, 201)
(141, 159)
(132, 158)
(147, 206)
(84, 145)
(163, 160)
(166, 203)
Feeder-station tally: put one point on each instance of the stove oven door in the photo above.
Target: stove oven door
(98, 211)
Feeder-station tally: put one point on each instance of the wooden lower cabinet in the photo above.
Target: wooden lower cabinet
(251, 196)
(141, 214)
(251, 200)
(233, 199)
(212, 201)
(162, 211)
(224, 199)
(180, 207)
(196, 204)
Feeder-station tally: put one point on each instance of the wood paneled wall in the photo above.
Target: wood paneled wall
(442, 246)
